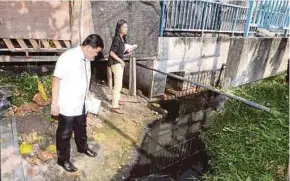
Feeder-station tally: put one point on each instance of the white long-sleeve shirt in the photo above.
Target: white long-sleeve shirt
(74, 72)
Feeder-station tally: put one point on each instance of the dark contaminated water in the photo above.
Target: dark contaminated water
(172, 148)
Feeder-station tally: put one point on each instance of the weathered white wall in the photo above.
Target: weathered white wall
(259, 58)
(191, 54)
(246, 59)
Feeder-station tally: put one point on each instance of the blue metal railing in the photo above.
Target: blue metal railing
(272, 15)
(213, 16)
(204, 16)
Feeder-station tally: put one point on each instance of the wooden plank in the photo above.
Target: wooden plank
(134, 76)
(35, 20)
(67, 43)
(34, 43)
(130, 74)
(11, 162)
(28, 59)
(22, 44)
(9, 44)
(182, 93)
(45, 44)
(19, 174)
(34, 50)
(57, 44)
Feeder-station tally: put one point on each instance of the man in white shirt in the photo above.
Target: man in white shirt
(70, 87)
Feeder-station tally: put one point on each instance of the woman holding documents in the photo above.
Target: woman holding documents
(116, 62)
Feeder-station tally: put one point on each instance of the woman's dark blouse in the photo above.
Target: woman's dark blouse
(118, 46)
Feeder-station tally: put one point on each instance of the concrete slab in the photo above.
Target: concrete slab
(11, 161)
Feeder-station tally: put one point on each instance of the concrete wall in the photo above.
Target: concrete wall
(252, 59)
(191, 55)
(246, 59)
(143, 20)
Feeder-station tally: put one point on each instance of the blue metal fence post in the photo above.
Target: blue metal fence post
(162, 19)
(249, 17)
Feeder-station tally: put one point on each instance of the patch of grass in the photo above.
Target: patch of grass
(248, 144)
(25, 86)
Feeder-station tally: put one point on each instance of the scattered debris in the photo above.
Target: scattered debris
(35, 149)
(139, 92)
(44, 69)
(39, 100)
(26, 108)
(114, 150)
(264, 32)
(4, 102)
(280, 170)
(99, 125)
(34, 161)
(74, 174)
(45, 155)
(41, 90)
(25, 149)
(51, 149)
(9, 112)
(155, 105)
(32, 138)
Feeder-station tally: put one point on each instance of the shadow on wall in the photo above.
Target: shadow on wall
(266, 52)
(258, 63)
(215, 61)
(234, 57)
(36, 20)
(193, 56)
(187, 42)
(277, 59)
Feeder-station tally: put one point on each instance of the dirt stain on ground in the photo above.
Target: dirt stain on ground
(114, 136)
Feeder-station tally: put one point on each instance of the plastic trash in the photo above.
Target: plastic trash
(4, 104)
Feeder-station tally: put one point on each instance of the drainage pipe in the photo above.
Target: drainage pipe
(243, 100)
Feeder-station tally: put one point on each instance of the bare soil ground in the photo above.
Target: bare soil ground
(114, 137)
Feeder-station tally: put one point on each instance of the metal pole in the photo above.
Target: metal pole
(235, 21)
(162, 22)
(243, 100)
(130, 74)
(249, 17)
(133, 91)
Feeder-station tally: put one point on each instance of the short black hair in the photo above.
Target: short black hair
(94, 40)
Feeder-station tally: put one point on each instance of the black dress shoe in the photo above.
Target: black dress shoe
(89, 153)
(68, 166)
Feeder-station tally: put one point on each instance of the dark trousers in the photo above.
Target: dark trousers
(66, 126)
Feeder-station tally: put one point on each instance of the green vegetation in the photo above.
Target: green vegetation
(25, 86)
(248, 144)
